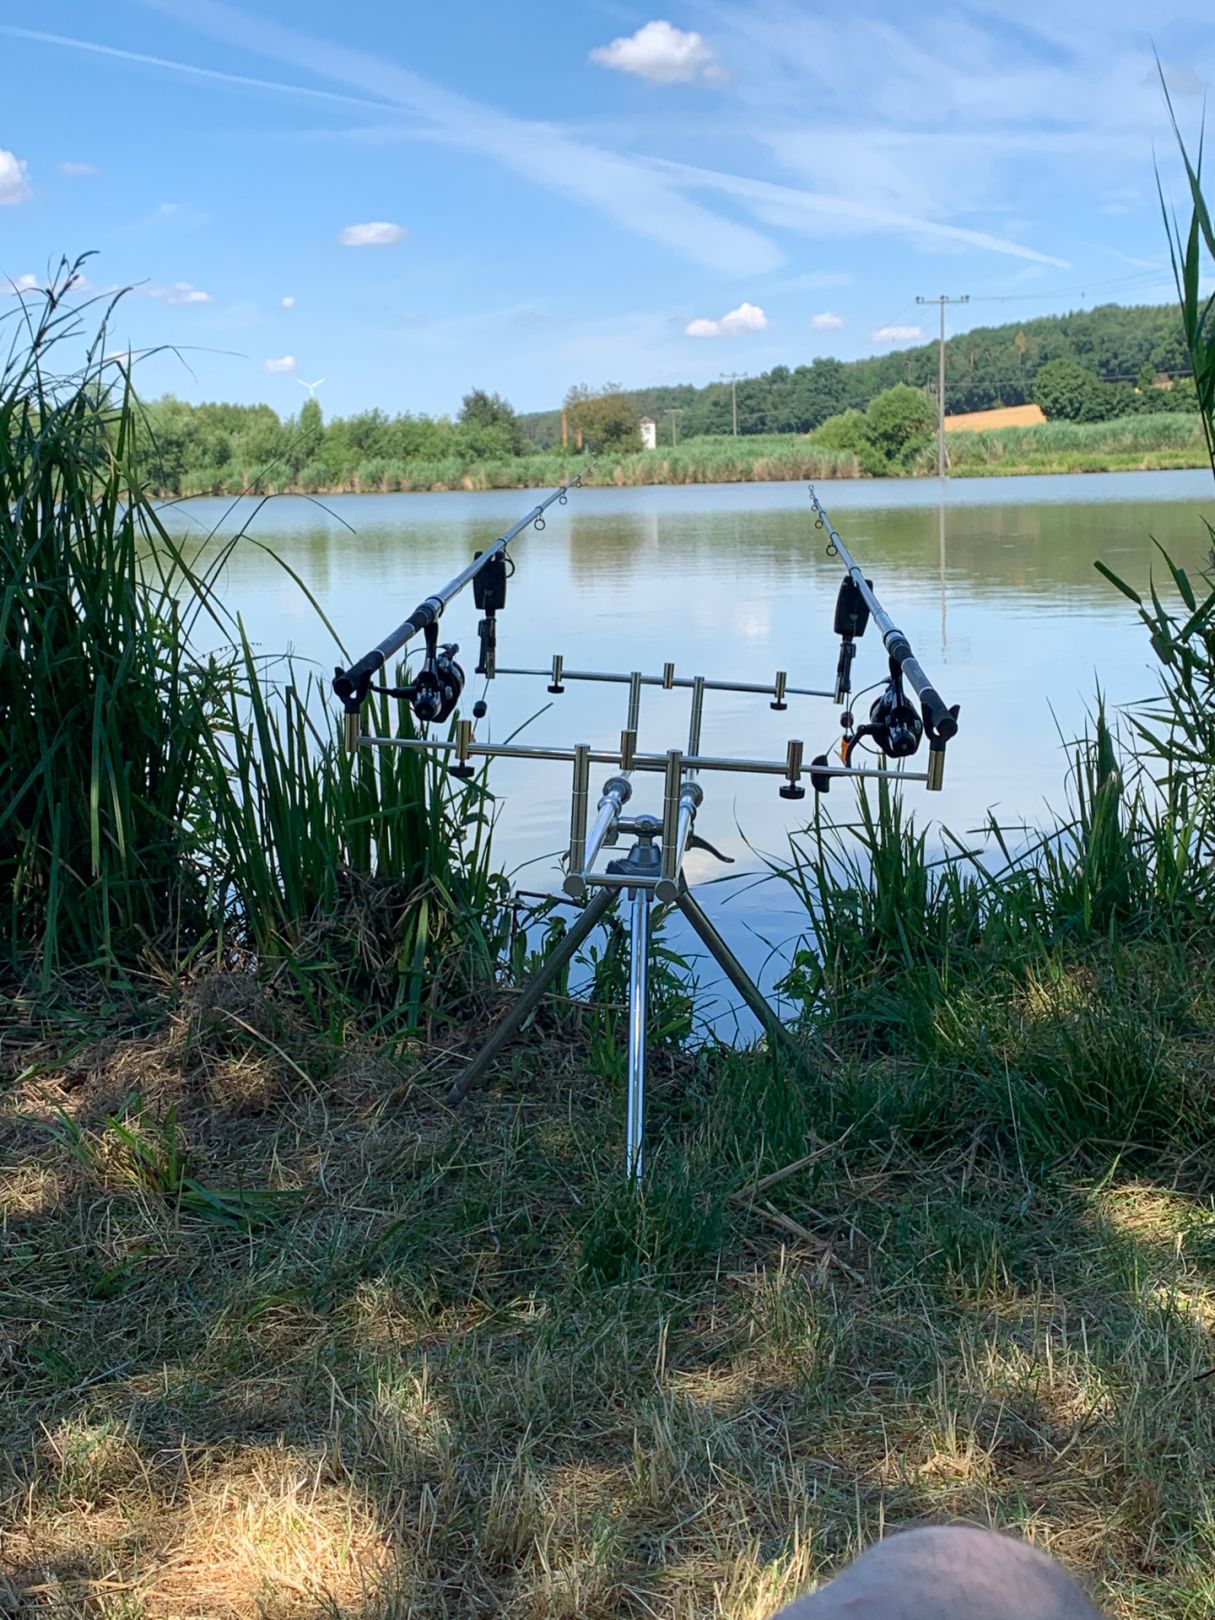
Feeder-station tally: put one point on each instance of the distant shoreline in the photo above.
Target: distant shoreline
(471, 483)
(1161, 443)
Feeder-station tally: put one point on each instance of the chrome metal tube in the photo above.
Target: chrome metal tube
(737, 974)
(578, 807)
(639, 947)
(635, 685)
(671, 808)
(617, 791)
(641, 762)
(696, 720)
(683, 682)
(530, 998)
(691, 797)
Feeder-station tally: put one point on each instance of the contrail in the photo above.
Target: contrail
(214, 74)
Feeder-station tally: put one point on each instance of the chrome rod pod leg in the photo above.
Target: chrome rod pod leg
(531, 996)
(639, 953)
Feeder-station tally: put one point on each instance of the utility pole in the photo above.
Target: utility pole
(941, 301)
(674, 412)
(732, 378)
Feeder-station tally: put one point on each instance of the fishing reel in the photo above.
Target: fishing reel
(893, 723)
(435, 689)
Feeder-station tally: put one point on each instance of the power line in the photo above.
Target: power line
(941, 303)
(1142, 278)
(674, 412)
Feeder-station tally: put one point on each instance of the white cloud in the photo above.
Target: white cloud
(897, 334)
(288, 302)
(14, 178)
(746, 318)
(827, 321)
(179, 292)
(663, 54)
(23, 284)
(78, 168)
(734, 323)
(378, 233)
(281, 367)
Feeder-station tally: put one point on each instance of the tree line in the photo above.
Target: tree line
(1089, 366)
(986, 367)
(198, 447)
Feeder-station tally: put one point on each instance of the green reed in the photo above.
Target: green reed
(103, 708)
(157, 803)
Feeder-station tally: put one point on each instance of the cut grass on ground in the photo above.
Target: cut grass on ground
(285, 1336)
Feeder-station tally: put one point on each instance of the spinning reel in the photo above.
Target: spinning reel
(893, 724)
(435, 689)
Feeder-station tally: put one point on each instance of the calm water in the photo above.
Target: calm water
(995, 588)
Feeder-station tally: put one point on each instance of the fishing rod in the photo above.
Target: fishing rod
(893, 723)
(650, 872)
(436, 690)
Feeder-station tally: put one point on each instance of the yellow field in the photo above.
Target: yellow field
(1008, 416)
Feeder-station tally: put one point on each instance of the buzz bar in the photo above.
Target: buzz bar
(778, 689)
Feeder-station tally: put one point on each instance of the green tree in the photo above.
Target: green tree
(849, 434)
(311, 428)
(489, 425)
(607, 417)
(901, 421)
(1066, 392)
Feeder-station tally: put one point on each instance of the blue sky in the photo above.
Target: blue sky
(409, 201)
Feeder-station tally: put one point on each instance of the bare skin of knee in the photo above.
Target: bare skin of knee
(947, 1573)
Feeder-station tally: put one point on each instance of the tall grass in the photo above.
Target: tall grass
(1002, 979)
(987, 987)
(366, 878)
(1132, 438)
(157, 804)
(756, 458)
(104, 712)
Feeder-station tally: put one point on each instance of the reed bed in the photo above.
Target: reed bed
(1131, 443)
(159, 807)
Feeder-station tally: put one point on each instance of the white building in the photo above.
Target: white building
(649, 433)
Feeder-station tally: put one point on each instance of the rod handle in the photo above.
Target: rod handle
(350, 685)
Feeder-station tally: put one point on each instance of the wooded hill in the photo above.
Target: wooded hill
(985, 367)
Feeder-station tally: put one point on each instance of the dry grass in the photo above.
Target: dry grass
(1004, 416)
(452, 1373)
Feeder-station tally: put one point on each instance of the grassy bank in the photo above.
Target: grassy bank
(1136, 443)
(285, 1335)
(431, 1364)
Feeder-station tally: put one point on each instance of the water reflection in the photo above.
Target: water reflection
(941, 565)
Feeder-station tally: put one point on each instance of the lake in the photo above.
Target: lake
(994, 586)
